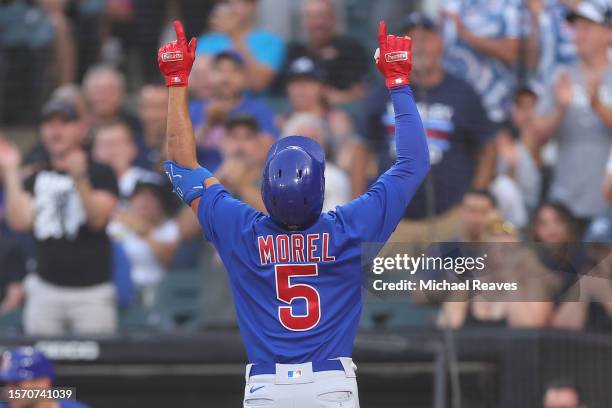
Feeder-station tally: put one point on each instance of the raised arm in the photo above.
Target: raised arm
(180, 139)
(504, 49)
(19, 207)
(188, 178)
(412, 164)
(385, 202)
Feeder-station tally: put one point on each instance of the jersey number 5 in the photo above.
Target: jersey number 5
(287, 293)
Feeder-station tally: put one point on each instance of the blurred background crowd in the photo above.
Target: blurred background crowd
(515, 96)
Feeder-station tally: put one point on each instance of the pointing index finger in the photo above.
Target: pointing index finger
(382, 34)
(181, 38)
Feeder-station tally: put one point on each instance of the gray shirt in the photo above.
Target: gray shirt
(584, 143)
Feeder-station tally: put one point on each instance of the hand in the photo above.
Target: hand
(75, 164)
(393, 57)
(176, 58)
(564, 90)
(10, 157)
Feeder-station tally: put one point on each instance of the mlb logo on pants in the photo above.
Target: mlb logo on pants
(294, 374)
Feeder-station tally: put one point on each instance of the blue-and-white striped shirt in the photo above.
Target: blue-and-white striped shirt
(493, 79)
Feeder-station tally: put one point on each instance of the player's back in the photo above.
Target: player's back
(297, 294)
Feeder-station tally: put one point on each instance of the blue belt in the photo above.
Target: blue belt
(317, 366)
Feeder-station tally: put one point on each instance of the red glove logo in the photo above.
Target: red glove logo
(172, 56)
(176, 58)
(396, 56)
(396, 63)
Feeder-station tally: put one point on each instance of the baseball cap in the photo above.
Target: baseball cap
(151, 183)
(25, 363)
(305, 67)
(600, 230)
(59, 108)
(418, 20)
(591, 11)
(232, 55)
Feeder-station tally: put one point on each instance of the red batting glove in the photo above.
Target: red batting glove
(176, 58)
(393, 57)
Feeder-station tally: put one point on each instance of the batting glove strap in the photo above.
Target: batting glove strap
(177, 80)
(188, 183)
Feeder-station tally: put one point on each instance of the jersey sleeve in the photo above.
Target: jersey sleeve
(223, 218)
(374, 216)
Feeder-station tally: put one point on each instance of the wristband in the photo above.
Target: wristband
(177, 80)
(188, 183)
(397, 82)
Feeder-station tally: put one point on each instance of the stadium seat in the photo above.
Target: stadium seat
(134, 318)
(394, 314)
(177, 300)
(11, 322)
(214, 311)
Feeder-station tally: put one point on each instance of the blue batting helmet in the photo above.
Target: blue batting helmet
(25, 363)
(294, 182)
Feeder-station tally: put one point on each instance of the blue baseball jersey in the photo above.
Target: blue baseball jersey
(298, 293)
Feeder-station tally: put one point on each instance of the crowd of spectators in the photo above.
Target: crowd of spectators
(516, 101)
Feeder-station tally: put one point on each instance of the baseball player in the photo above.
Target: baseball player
(26, 368)
(295, 273)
